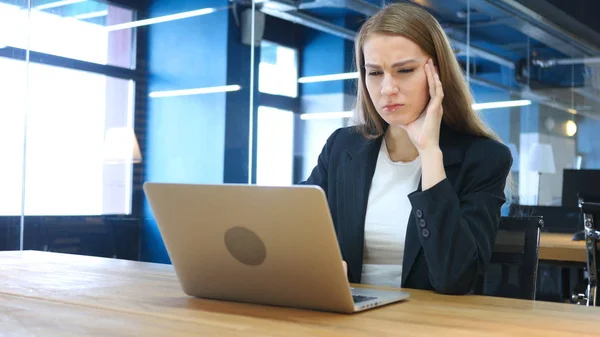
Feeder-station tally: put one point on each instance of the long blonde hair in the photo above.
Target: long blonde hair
(416, 24)
(419, 26)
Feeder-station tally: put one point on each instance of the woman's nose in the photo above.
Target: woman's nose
(388, 86)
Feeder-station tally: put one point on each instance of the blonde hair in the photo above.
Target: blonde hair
(416, 24)
(419, 26)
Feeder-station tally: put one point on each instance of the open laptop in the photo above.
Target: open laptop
(258, 244)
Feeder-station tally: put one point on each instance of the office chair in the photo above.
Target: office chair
(590, 209)
(517, 245)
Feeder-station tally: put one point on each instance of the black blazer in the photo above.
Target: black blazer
(453, 225)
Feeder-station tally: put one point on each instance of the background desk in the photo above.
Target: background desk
(561, 247)
(51, 294)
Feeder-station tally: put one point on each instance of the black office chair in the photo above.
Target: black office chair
(590, 209)
(516, 248)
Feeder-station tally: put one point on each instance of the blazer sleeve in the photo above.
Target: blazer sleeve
(319, 173)
(457, 231)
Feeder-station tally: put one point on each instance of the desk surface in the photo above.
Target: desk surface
(56, 294)
(561, 247)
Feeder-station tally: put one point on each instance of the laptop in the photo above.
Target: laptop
(258, 244)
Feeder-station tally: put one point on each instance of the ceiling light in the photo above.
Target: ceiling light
(91, 15)
(160, 19)
(501, 104)
(326, 115)
(195, 91)
(325, 78)
(57, 4)
(570, 128)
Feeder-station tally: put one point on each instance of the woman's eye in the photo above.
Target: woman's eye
(405, 71)
(374, 73)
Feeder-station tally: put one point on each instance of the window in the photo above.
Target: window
(275, 147)
(61, 113)
(76, 30)
(68, 114)
(278, 70)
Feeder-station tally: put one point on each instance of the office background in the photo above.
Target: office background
(98, 97)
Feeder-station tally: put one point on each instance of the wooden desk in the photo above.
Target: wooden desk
(561, 247)
(61, 295)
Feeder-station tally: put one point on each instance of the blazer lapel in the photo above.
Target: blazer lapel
(358, 172)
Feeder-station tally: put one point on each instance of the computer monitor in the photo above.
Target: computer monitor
(579, 182)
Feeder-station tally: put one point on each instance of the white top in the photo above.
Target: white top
(388, 211)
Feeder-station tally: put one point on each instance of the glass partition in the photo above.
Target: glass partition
(99, 97)
(84, 30)
(533, 83)
(13, 104)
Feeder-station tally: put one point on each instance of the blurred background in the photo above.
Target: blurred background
(97, 97)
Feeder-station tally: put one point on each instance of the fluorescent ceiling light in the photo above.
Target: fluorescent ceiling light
(324, 78)
(57, 4)
(160, 19)
(326, 115)
(196, 91)
(502, 104)
(91, 15)
(477, 106)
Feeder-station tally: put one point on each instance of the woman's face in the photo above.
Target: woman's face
(395, 77)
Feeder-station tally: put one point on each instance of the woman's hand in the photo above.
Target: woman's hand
(424, 132)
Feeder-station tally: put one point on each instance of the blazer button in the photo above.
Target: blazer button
(422, 223)
(419, 213)
(425, 233)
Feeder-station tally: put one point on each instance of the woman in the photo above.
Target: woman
(415, 190)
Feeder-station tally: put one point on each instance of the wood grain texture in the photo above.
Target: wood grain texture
(96, 295)
(561, 247)
(21, 316)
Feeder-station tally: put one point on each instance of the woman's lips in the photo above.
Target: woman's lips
(392, 107)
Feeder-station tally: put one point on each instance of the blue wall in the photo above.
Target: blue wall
(530, 118)
(324, 54)
(185, 135)
(237, 109)
(497, 119)
(588, 142)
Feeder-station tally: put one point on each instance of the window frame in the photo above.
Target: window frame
(136, 74)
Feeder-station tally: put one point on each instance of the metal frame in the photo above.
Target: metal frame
(69, 63)
(590, 209)
(540, 28)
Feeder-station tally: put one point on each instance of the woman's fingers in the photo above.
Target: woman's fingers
(430, 79)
